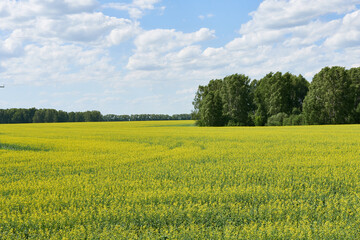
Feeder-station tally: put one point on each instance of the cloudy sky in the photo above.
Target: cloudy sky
(149, 56)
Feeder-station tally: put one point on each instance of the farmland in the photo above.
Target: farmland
(171, 180)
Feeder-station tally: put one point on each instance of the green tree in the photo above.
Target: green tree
(79, 117)
(92, 116)
(71, 117)
(63, 116)
(18, 115)
(299, 90)
(4, 116)
(208, 104)
(39, 116)
(278, 119)
(50, 115)
(212, 111)
(237, 99)
(329, 100)
(278, 93)
(354, 75)
(197, 103)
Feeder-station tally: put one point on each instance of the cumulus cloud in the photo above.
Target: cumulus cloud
(123, 32)
(279, 14)
(155, 48)
(348, 33)
(296, 36)
(53, 64)
(136, 9)
(34, 31)
(64, 21)
(11, 46)
(16, 13)
(295, 22)
(163, 40)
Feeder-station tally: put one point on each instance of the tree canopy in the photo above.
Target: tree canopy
(33, 115)
(329, 100)
(333, 97)
(279, 93)
(225, 101)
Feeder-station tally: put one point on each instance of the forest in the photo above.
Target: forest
(333, 97)
(33, 115)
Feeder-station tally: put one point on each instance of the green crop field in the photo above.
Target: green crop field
(171, 180)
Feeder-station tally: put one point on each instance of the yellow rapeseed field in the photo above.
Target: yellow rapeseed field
(171, 180)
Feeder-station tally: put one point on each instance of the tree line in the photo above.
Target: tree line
(33, 115)
(146, 117)
(333, 97)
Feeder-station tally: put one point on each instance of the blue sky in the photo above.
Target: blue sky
(149, 56)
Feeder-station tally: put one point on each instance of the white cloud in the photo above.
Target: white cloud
(123, 32)
(136, 9)
(53, 64)
(152, 47)
(279, 14)
(12, 46)
(163, 40)
(145, 4)
(81, 27)
(45, 40)
(256, 38)
(189, 52)
(84, 27)
(296, 36)
(63, 21)
(18, 12)
(295, 21)
(348, 32)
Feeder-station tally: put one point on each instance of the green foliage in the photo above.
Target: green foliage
(354, 75)
(333, 97)
(330, 99)
(224, 102)
(237, 99)
(92, 116)
(33, 115)
(277, 120)
(357, 114)
(260, 116)
(294, 119)
(259, 119)
(278, 93)
(208, 104)
(212, 108)
(246, 103)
